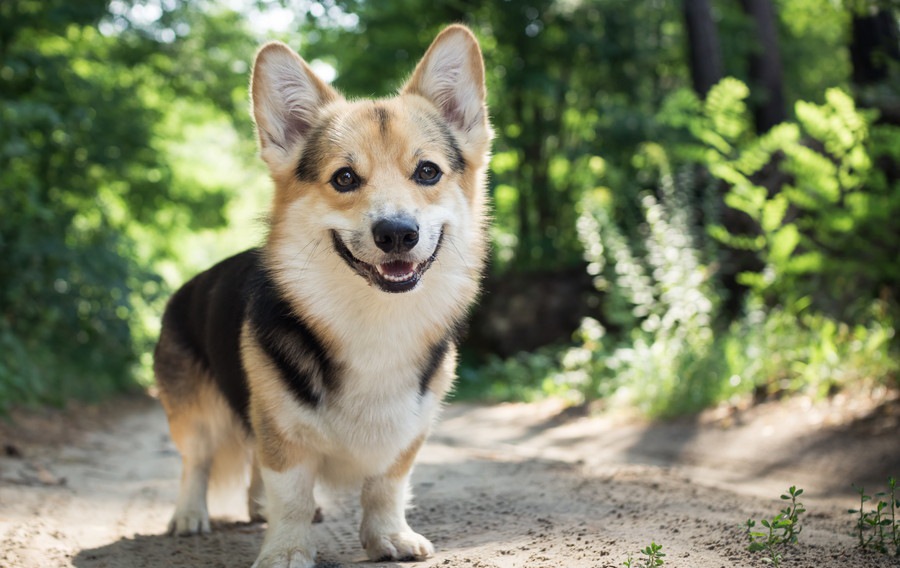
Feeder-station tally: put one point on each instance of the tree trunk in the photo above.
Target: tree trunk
(703, 45)
(873, 43)
(766, 75)
(874, 47)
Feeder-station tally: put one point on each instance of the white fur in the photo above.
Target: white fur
(384, 531)
(379, 410)
(256, 500)
(289, 542)
(191, 514)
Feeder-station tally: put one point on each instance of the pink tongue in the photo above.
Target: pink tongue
(397, 268)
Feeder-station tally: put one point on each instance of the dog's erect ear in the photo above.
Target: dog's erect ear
(287, 97)
(451, 76)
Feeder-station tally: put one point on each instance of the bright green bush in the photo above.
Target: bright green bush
(76, 162)
(676, 361)
(818, 190)
(814, 320)
(93, 195)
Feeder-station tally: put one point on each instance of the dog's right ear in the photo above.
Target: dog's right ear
(287, 97)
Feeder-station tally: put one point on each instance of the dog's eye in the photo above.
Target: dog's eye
(345, 179)
(427, 173)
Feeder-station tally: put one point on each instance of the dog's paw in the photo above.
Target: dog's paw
(405, 545)
(186, 523)
(289, 558)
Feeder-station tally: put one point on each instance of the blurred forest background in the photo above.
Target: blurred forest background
(694, 199)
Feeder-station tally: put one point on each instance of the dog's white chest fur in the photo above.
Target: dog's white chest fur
(378, 408)
(377, 415)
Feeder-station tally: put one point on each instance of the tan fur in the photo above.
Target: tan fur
(202, 424)
(207, 434)
(275, 451)
(404, 462)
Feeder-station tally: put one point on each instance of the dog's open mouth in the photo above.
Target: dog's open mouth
(395, 276)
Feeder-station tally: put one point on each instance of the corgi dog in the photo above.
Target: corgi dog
(324, 354)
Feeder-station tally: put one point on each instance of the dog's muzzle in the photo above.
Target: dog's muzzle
(396, 238)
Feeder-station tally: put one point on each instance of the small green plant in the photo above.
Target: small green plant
(652, 556)
(878, 528)
(781, 530)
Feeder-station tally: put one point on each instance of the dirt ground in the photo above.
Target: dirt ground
(510, 485)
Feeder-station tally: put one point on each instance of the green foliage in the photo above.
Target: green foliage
(66, 306)
(90, 197)
(822, 210)
(812, 188)
(672, 362)
(652, 556)
(808, 30)
(524, 377)
(879, 527)
(662, 293)
(781, 530)
(675, 354)
(125, 145)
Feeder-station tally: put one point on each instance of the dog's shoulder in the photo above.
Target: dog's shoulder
(290, 342)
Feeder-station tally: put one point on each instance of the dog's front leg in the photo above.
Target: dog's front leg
(290, 507)
(384, 532)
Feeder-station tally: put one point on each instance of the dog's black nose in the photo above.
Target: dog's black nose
(399, 234)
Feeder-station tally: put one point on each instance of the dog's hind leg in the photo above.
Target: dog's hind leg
(198, 431)
(191, 514)
(201, 425)
(384, 532)
(213, 450)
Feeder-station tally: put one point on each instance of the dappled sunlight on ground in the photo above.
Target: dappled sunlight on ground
(496, 486)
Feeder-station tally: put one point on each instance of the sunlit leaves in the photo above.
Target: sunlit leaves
(725, 107)
(818, 212)
(755, 154)
(782, 243)
(90, 197)
(773, 213)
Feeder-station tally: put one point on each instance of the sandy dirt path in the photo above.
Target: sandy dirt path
(497, 486)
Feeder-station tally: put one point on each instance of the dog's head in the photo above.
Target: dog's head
(383, 188)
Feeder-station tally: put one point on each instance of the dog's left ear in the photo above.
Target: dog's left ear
(451, 76)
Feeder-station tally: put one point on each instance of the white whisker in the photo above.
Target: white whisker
(315, 244)
(451, 241)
